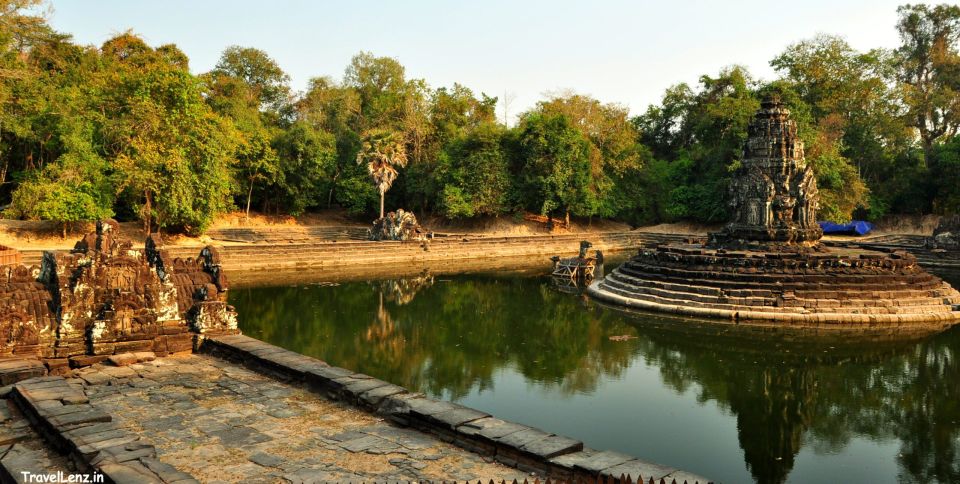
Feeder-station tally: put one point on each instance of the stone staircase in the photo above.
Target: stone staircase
(317, 252)
(915, 244)
(842, 290)
(293, 234)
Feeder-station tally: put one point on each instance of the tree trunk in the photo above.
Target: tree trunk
(927, 150)
(249, 196)
(146, 211)
(381, 204)
(333, 186)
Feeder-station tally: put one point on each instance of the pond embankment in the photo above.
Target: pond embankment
(255, 255)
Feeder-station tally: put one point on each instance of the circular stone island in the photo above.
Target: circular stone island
(767, 264)
(845, 288)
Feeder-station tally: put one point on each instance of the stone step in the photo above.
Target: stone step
(861, 298)
(630, 286)
(786, 281)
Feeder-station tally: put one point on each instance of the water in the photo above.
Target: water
(729, 403)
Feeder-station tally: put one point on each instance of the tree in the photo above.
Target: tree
(452, 114)
(928, 68)
(257, 162)
(383, 151)
(382, 90)
(309, 157)
(265, 78)
(172, 154)
(333, 108)
(473, 173)
(945, 171)
(615, 153)
(553, 166)
(851, 96)
(701, 136)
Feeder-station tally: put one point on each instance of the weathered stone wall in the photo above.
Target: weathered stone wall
(104, 297)
(773, 194)
(399, 225)
(947, 234)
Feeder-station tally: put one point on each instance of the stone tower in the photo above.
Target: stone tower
(773, 193)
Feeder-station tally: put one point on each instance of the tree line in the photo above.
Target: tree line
(125, 130)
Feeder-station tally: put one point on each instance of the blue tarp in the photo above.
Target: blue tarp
(856, 227)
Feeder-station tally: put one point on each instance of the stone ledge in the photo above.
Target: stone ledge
(13, 370)
(940, 320)
(510, 443)
(61, 413)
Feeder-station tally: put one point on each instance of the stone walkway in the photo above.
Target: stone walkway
(22, 449)
(224, 423)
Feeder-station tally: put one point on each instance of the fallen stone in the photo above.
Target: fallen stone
(86, 360)
(143, 356)
(265, 460)
(123, 359)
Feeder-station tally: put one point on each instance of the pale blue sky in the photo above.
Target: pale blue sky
(618, 51)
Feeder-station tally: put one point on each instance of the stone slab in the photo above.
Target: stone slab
(601, 461)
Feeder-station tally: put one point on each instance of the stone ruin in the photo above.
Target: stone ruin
(767, 264)
(773, 193)
(104, 297)
(399, 225)
(947, 234)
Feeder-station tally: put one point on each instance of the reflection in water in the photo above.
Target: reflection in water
(788, 393)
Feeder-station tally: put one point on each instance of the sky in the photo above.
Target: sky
(625, 52)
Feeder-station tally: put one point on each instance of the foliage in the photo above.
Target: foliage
(382, 152)
(553, 166)
(474, 173)
(928, 69)
(308, 156)
(126, 129)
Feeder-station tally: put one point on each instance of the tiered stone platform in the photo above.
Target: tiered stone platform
(814, 287)
(768, 262)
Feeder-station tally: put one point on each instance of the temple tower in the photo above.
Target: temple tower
(773, 194)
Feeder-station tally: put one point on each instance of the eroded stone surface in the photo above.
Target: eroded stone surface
(225, 423)
(22, 449)
(104, 298)
(773, 194)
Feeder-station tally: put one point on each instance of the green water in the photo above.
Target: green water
(732, 404)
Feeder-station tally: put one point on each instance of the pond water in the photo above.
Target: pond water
(731, 403)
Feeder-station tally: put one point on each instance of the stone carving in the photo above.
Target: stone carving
(26, 323)
(947, 234)
(399, 225)
(773, 194)
(104, 297)
(767, 263)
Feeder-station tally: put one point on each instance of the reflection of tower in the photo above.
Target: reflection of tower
(773, 412)
(399, 292)
(402, 291)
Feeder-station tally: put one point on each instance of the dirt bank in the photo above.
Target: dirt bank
(41, 235)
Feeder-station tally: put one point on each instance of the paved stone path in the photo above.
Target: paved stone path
(224, 423)
(22, 449)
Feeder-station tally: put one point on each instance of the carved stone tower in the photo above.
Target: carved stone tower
(773, 193)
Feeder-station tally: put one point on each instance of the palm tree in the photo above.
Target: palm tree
(383, 152)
